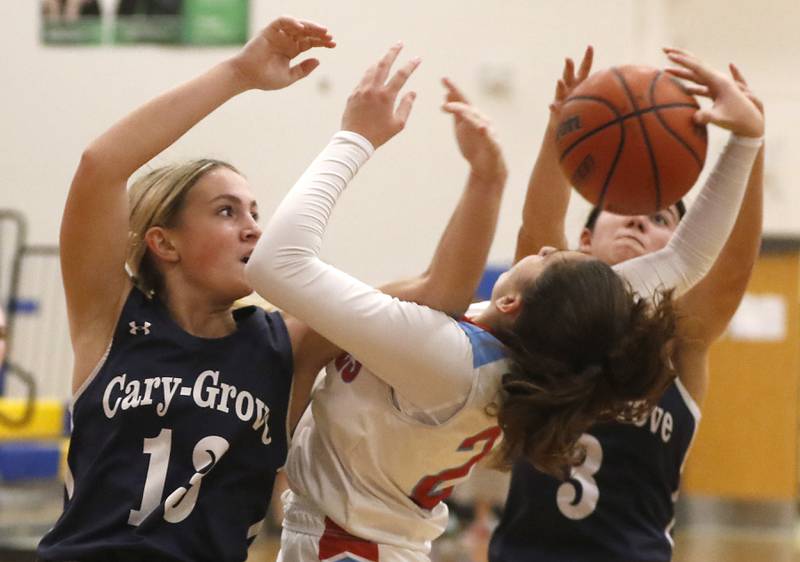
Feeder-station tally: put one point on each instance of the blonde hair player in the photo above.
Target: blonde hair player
(422, 397)
(618, 504)
(179, 405)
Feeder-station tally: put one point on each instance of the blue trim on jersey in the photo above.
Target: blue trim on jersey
(485, 347)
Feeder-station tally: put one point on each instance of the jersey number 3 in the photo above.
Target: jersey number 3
(577, 496)
(180, 503)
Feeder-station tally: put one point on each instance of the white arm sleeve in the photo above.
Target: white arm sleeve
(422, 353)
(704, 230)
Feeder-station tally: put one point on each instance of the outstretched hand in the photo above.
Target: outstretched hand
(476, 137)
(738, 77)
(733, 106)
(265, 62)
(370, 109)
(570, 79)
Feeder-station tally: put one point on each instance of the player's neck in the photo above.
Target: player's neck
(490, 319)
(199, 316)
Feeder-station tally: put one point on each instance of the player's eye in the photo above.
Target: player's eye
(660, 219)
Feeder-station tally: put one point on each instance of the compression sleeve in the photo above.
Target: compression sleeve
(704, 230)
(422, 353)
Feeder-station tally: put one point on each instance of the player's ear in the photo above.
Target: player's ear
(510, 304)
(160, 245)
(585, 244)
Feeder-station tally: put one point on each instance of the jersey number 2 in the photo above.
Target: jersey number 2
(431, 490)
(577, 496)
(180, 503)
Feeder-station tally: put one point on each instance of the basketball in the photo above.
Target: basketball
(627, 141)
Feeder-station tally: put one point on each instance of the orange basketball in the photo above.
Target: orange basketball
(627, 141)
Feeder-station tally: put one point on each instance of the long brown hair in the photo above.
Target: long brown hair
(583, 349)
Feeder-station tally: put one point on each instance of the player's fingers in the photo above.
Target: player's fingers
(454, 93)
(321, 42)
(737, 74)
(385, 63)
(697, 90)
(368, 78)
(476, 122)
(303, 69)
(568, 76)
(313, 28)
(684, 73)
(455, 107)
(586, 64)
(402, 75)
(467, 114)
(701, 71)
(755, 99)
(288, 25)
(677, 51)
(703, 116)
(405, 106)
(303, 44)
(561, 91)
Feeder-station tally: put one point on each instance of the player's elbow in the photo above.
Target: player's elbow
(438, 295)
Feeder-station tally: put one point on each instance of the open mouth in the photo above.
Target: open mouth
(245, 259)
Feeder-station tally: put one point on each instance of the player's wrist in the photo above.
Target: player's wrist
(747, 140)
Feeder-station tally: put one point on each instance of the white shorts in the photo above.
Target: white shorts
(309, 536)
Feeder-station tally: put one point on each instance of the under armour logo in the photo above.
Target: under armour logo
(144, 328)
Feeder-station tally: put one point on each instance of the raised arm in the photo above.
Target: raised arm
(455, 270)
(401, 342)
(547, 197)
(709, 306)
(94, 229)
(449, 284)
(694, 247)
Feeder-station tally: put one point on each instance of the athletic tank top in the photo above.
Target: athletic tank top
(618, 505)
(176, 440)
(380, 473)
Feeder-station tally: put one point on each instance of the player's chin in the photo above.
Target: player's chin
(237, 289)
(243, 290)
(627, 250)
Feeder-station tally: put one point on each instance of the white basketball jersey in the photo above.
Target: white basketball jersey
(379, 472)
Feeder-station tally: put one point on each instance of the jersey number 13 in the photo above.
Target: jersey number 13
(180, 503)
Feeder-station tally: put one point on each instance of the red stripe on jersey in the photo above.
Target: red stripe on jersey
(335, 541)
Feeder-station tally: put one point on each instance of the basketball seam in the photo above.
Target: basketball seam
(604, 190)
(646, 137)
(602, 200)
(671, 131)
(618, 120)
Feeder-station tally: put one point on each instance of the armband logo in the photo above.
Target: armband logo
(347, 367)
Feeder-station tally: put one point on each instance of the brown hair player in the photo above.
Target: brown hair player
(618, 503)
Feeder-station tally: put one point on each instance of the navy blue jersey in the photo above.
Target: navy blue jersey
(176, 441)
(617, 506)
